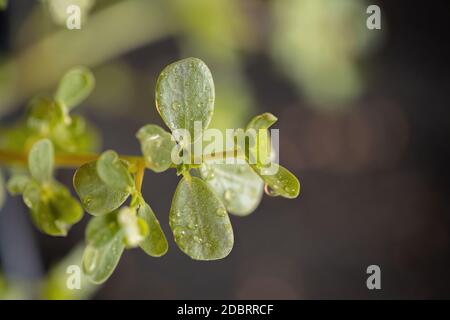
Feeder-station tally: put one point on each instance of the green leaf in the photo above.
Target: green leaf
(185, 94)
(96, 196)
(282, 183)
(2, 190)
(260, 152)
(75, 86)
(66, 208)
(114, 172)
(3, 4)
(199, 221)
(42, 114)
(237, 185)
(105, 247)
(156, 145)
(32, 195)
(155, 244)
(262, 121)
(54, 285)
(17, 184)
(53, 209)
(41, 160)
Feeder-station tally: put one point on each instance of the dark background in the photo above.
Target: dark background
(375, 185)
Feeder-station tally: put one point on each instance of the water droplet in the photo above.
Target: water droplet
(87, 201)
(198, 239)
(90, 259)
(192, 225)
(269, 191)
(228, 195)
(221, 212)
(209, 173)
(179, 232)
(176, 105)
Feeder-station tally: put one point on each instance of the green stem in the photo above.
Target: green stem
(64, 160)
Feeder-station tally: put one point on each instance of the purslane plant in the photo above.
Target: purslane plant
(50, 137)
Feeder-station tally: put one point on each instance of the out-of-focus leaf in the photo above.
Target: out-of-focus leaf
(282, 183)
(17, 184)
(32, 195)
(105, 247)
(55, 285)
(3, 4)
(156, 145)
(41, 160)
(318, 49)
(2, 190)
(237, 185)
(185, 94)
(114, 172)
(53, 209)
(96, 196)
(75, 86)
(155, 244)
(200, 222)
(58, 9)
(135, 229)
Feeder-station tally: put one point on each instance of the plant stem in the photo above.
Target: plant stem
(140, 164)
(64, 160)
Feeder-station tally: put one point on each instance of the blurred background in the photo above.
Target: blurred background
(364, 123)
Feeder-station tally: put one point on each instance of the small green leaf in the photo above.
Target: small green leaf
(17, 184)
(65, 207)
(237, 185)
(41, 160)
(114, 171)
(156, 145)
(155, 244)
(282, 183)
(75, 86)
(260, 152)
(262, 121)
(32, 195)
(105, 247)
(200, 222)
(96, 196)
(2, 190)
(185, 94)
(54, 285)
(3, 4)
(53, 209)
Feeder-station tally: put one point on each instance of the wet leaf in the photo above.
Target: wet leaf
(105, 247)
(96, 196)
(155, 244)
(280, 180)
(114, 172)
(260, 152)
(237, 185)
(156, 145)
(185, 94)
(200, 222)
